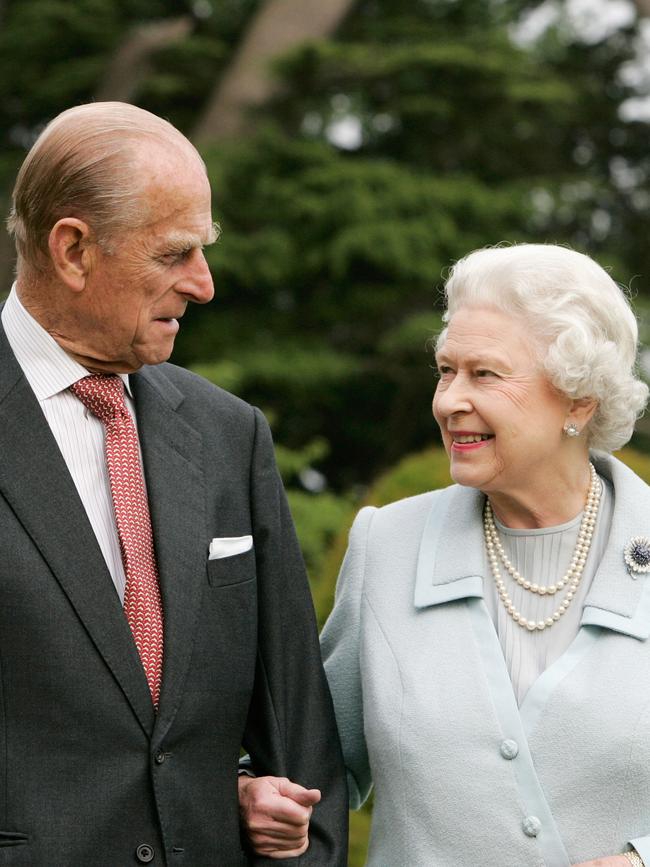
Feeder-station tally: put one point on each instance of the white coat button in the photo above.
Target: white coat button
(509, 748)
(532, 826)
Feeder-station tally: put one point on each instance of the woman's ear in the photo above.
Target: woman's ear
(580, 412)
(68, 243)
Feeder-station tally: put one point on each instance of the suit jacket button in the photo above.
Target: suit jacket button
(159, 757)
(145, 853)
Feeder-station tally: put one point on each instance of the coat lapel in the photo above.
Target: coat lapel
(616, 600)
(37, 485)
(450, 560)
(172, 453)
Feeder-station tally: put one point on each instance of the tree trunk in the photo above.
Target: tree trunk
(130, 63)
(278, 26)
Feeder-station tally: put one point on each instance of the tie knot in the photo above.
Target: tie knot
(102, 394)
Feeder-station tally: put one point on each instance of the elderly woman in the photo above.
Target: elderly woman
(488, 651)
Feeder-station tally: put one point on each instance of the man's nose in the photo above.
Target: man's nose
(197, 285)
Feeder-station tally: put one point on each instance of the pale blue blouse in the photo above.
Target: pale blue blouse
(543, 557)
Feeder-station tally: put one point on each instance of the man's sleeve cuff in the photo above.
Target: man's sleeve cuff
(245, 767)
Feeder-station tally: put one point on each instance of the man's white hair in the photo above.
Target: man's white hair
(578, 316)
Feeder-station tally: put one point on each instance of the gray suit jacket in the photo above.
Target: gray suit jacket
(88, 772)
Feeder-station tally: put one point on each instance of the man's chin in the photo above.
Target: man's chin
(152, 355)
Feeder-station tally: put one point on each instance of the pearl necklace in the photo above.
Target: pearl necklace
(495, 551)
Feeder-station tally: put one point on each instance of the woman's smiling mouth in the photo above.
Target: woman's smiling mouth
(465, 441)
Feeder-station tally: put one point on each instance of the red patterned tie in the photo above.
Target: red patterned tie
(103, 395)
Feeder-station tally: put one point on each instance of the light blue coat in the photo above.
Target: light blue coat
(426, 711)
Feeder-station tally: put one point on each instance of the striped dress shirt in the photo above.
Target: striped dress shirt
(50, 372)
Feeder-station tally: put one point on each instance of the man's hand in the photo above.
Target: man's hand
(275, 814)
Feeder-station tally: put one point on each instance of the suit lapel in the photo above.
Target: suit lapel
(37, 485)
(172, 454)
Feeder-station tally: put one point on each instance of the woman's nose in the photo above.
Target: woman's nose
(453, 397)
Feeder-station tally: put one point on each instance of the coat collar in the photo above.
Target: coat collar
(615, 599)
(451, 562)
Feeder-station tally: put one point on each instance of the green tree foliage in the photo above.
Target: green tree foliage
(446, 89)
(334, 249)
(335, 243)
(335, 289)
(54, 54)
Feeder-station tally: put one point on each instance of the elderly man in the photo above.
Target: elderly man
(154, 613)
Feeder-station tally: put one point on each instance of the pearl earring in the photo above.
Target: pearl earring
(571, 430)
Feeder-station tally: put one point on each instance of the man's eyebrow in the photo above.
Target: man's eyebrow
(178, 241)
(214, 235)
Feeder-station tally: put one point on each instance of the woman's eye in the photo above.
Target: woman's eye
(443, 369)
(483, 373)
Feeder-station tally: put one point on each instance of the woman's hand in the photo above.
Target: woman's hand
(611, 861)
(275, 814)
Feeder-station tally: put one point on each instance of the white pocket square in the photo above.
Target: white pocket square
(229, 546)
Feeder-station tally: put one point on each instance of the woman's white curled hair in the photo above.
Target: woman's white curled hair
(579, 316)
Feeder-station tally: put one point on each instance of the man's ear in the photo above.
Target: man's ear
(69, 243)
(581, 411)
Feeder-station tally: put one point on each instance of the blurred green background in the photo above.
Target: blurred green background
(356, 148)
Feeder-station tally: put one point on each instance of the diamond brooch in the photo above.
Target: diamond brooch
(637, 555)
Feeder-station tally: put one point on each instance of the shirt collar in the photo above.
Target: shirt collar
(46, 365)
